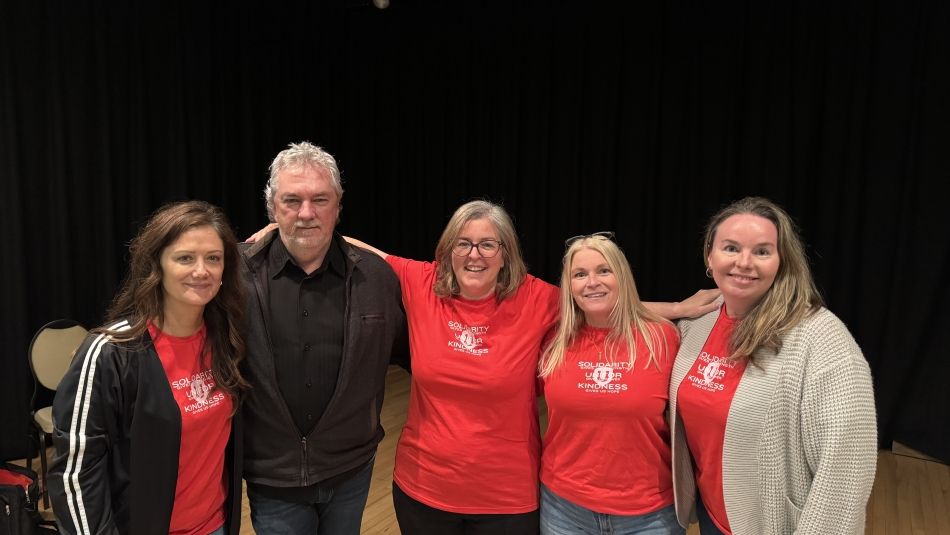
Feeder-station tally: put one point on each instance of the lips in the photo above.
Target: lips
(197, 286)
(595, 295)
(743, 279)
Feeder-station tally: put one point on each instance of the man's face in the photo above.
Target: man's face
(306, 207)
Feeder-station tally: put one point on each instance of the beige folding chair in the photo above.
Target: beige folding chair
(51, 351)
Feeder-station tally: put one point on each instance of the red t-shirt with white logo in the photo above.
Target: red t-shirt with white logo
(205, 427)
(703, 402)
(471, 441)
(607, 445)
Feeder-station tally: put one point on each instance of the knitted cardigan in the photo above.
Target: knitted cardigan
(800, 448)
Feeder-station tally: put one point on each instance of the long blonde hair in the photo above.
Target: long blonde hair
(628, 318)
(793, 295)
(513, 271)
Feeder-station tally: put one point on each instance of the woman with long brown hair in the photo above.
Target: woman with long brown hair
(771, 401)
(147, 435)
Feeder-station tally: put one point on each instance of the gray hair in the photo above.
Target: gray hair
(513, 271)
(299, 155)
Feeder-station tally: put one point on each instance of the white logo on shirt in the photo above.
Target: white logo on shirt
(468, 338)
(602, 377)
(199, 388)
(710, 372)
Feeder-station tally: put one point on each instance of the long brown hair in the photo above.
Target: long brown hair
(793, 295)
(141, 297)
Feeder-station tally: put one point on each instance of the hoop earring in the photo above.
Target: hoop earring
(709, 273)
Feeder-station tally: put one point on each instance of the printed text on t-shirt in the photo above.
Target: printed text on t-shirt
(710, 371)
(468, 338)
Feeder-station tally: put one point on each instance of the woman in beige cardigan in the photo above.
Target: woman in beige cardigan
(771, 401)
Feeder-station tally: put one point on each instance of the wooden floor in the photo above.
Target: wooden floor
(910, 496)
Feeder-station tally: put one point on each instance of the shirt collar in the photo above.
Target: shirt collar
(278, 258)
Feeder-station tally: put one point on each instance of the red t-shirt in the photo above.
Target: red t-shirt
(471, 441)
(607, 446)
(205, 427)
(703, 400)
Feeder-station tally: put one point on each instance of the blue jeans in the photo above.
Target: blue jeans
(561, 517)
(338, 511)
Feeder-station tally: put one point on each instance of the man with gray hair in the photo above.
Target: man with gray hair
(324, 319)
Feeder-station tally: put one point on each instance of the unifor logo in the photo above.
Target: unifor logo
(199, 390)
(710, 372)
(602, 375)
(468, 339)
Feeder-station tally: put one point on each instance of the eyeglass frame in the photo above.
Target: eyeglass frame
(606, 234)
(477, 246)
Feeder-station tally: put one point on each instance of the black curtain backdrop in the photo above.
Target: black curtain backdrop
(577, 117)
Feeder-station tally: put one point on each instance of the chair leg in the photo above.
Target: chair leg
(43, 469)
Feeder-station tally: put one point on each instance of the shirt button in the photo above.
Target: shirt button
(306, 347)
(309, 384)
(310, 417)
(306, 313)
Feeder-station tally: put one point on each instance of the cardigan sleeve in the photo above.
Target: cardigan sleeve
(84, 411)
(839, 434)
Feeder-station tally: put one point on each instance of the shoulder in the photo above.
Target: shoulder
(366, 260)
(250, 250)
(408, 265)
(669, 331)
(371, 265)
(535, 285)
(101, 356)
(701, 325)
(826, 341)
(534, 292)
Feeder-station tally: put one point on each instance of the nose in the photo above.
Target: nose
(307, 210)
(201, 270)
(744, 260)
(474, 253)
(592, 280)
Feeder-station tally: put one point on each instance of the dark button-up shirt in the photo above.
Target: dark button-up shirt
(307, 318)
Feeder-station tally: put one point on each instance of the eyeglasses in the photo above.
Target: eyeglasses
(605, 234)
(486, 248)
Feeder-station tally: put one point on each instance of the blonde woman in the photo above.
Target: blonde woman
(606, 453)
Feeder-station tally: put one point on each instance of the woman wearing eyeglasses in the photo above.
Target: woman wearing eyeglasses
(468, 458)
(605, 465)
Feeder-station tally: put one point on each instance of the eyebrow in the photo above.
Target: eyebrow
(324, 193)
(760, 244)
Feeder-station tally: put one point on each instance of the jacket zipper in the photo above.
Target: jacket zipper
(304, 473)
